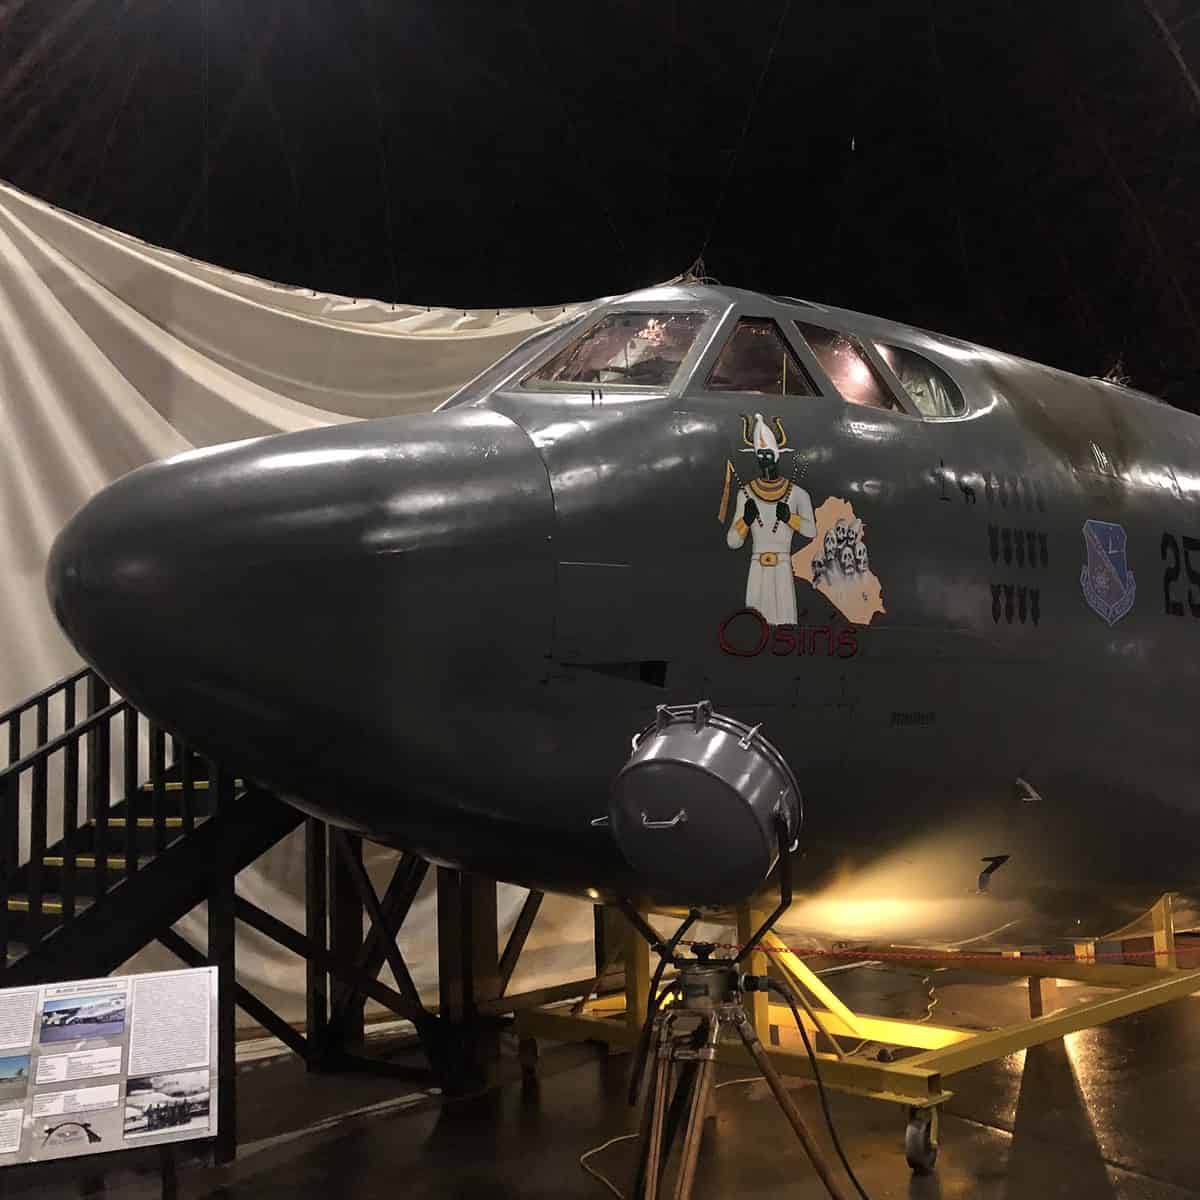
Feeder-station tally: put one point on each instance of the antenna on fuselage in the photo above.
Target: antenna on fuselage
(697, 273)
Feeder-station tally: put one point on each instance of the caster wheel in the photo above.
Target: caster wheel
(920, 1140)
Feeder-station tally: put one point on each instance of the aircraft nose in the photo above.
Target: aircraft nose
(286, 597)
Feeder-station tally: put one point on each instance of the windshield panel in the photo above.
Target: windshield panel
(933, 393)
(634, 349)
(849, 370)
(757, 359)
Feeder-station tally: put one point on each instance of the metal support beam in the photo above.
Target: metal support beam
(397, 900)
(535, 999)
(99, 748)
(1043, 996)
(468, 943)
(468, 970)
(986, 1047)
(221, 954)
(916, 1081)
(295, 941)
(316, 928)
(638, 970)
(899, 1082)
(915, 1035)
(1163, 917)
(805, 978)
(352, 858)
(518, 937)
(246, 1000)
(345, 942)
(608, 937)
(749, 919)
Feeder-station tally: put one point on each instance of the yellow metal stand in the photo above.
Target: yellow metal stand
(916, 1081)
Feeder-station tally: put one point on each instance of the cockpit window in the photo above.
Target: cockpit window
(757, 359)
(638, 349)
(849, 370)
(932, 391)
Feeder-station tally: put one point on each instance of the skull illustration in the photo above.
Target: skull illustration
(830, 544)
(818, 569)
(842, 530)
(847, 560)
(860, 557)
(856, 532)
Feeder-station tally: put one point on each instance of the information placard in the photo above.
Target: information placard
(93, 1065)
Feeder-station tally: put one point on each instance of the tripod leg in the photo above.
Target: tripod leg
(787, 1104)
(650, 1153)
(680, 1105)
(682, 1077)
(698, 1108)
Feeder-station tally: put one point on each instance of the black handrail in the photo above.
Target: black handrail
(64, 739)
(92, 788)
(21, 709)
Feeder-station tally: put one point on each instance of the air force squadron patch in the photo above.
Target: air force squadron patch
(1107, 582)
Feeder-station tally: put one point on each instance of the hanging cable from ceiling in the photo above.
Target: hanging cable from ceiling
(104, 162)
(951, 152)
(385, 169)
(206, 174)
(573, 131)
(1172, 44)
(750, 107)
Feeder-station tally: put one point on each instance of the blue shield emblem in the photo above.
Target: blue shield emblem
(1107, 582)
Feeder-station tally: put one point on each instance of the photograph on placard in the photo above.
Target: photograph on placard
(176, 1102)
(82, 1017)
(71, 1133)
(14, 1077)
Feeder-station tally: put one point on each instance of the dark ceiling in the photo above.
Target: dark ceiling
(1020, 174)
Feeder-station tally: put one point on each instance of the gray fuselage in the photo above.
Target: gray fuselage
(443, 630)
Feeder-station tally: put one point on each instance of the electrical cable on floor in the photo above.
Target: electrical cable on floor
(600, 1177)
(931, 1002)
(779, 989)
(932, 998)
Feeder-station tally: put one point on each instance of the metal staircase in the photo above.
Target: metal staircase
(111, 830)
(86, 880)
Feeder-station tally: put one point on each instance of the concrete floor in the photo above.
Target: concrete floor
(1110, 1113)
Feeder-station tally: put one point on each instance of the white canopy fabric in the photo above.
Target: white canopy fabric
(114, 353)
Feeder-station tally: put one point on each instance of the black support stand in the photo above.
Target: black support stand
(345, 938)
(316, 929)
(167, 1171)
(468, 973)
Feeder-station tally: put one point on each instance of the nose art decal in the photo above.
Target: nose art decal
(769, 509)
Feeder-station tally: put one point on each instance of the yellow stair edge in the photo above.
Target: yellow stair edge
(51, 905)
(146, 822)
(176, 785)
(88, 861)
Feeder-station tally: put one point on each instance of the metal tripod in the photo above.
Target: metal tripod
(684, 1045)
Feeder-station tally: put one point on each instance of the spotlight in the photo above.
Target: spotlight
(697, 807)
